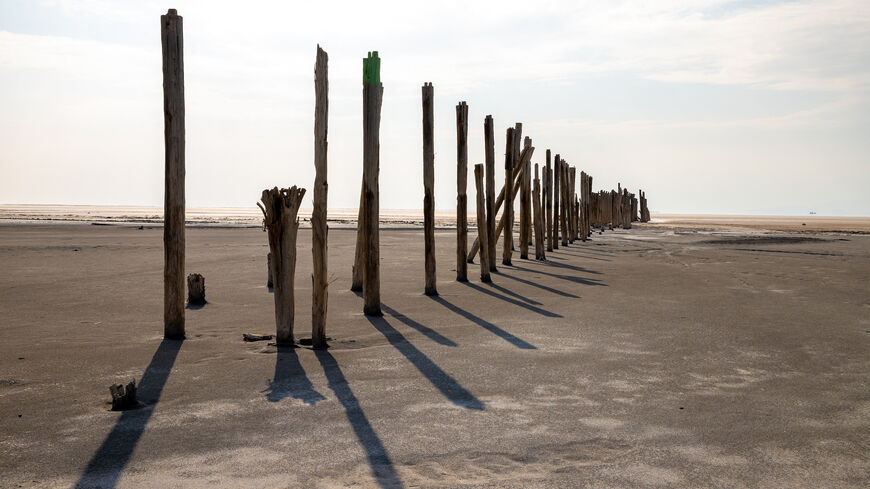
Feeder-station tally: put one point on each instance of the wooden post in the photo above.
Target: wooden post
(475, 246)
(429, 187)
(489, 143)
(319, 280)
(525, 207)
(557, 191)
(548, 201)
(518, 164)
(172, 40)
(195, 289)
(584, 204)
(461, 194)
(373, 92)
(508, 197)
(539, 224)
(573, 179)
(482, 225)
(566, 202)
(280, 209)
(356, 283)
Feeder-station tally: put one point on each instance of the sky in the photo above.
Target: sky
(710, 106)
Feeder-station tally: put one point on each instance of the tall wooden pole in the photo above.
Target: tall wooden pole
(489, 143)
(548, 200)
(517, 163)
(525, 204)
(566, 202)
(172, 39)
(508, 197)
(429, 187)
(319, 282)
(461, 194)
(539, 224)
(557, 197)
(482, 230)
(373, 91)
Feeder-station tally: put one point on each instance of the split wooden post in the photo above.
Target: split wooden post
(172, 40)
(461, 194)
(539, 224)
(489, 143)
(548, 200)
(280, 209)
(525, 207)
(429, 187)
(508, 213)
(482, 231)
(557, 191)
(373, 91)
(319, 230)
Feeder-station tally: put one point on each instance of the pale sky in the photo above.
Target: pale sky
(711, 106)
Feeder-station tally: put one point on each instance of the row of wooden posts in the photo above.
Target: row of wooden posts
(551, 209)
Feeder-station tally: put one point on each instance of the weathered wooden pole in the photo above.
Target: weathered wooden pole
(461, 194)
(475, 246)
(356, 283)
(525, 207)
(575, 208)
(548, 200)
(489, 143)
(613, 205)
(518, 164)
(508, 197)
(280, 209)
(584, 206)
(539, 223)
(319, 280)
(482, 230)
(172, 40)
(373, 91)
(429, 187)
(566, 202)
(557, 191)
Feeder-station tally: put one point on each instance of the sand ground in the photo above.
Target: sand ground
(645, 358)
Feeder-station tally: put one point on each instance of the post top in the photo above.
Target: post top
(172, 11)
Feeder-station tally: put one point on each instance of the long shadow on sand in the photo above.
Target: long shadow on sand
(550, 263)
(573, 252)
(513, 294)
(570, 278)
(429, 332)
(290, 379)
(517, 342)
(505, 298)
(534, 284)
(107, 464)
(449, 387)
(379, 460)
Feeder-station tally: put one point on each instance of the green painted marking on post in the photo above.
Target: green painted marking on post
(372, 69)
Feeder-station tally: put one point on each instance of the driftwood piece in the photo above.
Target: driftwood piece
(256, 337)
(319, 229)
(508, 214)
(280, 209)
(123, 396)
(482, 231)
(373, 92)
(539, 225)
(461, 192)
(429, 189)
(491, 208)
(195, 289)
(172, 40)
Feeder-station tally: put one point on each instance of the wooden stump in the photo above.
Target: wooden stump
(172, 40)
(319, 230)
(429, 188)
(373, 92)
(482, 231)
(491, 209)
(195, 289)
(280, 209)
(123, 397)
(461, 193)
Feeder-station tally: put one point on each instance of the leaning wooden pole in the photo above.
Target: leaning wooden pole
(482, 230)
(172, 39)
(489, 143)
(508, 197)
(429, 187)
(461, 192)
(280, 209)
(373, 92)
(319, 282)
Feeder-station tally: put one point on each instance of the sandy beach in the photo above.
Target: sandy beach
(680, 353)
